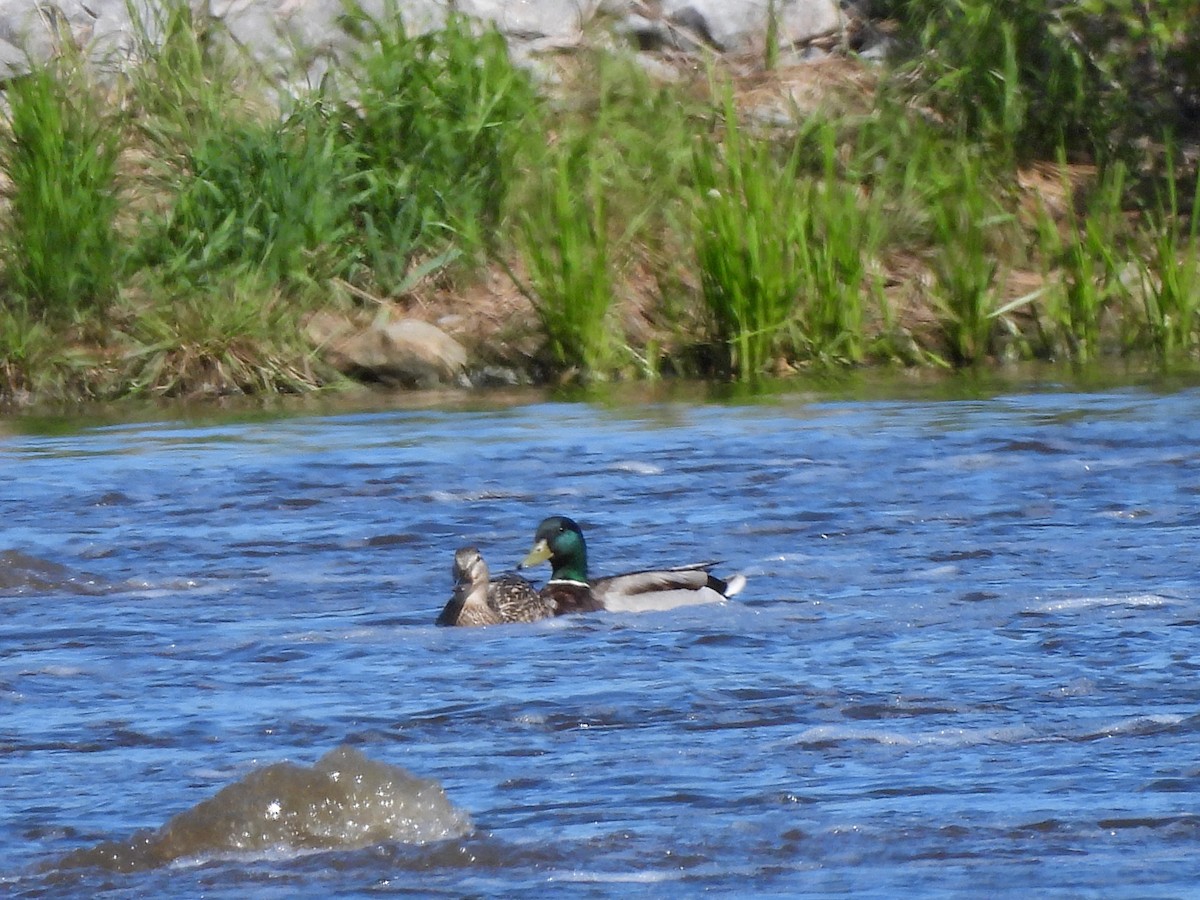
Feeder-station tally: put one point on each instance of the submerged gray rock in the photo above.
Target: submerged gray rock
(343, 801)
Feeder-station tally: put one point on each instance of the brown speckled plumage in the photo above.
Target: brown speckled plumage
(479, 601)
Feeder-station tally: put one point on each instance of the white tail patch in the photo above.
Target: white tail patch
(657, 601)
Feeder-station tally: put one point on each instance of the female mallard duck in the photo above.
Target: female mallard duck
(560, 540)
(477, 600)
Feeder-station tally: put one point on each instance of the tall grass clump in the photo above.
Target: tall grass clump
(29, 352)
(964, 261)
(438, 120)
(1170, 271)
(1153, 46)
(842, 233)
(750, 223)
(564, 241)
(1032, 77)
(1085, 262)
(274, 197)
(1001, 72)
(240, 335)
(637, 138)
(903, 161)
(59, 150)
(185, 81)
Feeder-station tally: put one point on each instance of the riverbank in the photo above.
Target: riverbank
(609, 214)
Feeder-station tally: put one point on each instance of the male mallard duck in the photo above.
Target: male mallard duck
(477, 600)
(560, 540)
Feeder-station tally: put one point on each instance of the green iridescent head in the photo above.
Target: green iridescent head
(559, 540)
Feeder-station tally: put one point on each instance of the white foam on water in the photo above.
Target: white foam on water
(636, 467)
(950, 737)
(1072, 604)
(1135, 725)
(655, 876)
(56, 671)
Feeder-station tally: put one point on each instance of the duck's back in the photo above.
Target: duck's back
(515, 600)
(661, 589)
(571, 597)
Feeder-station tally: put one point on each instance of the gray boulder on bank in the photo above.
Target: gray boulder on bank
(742, 26)
(406, 352)
(280, 32)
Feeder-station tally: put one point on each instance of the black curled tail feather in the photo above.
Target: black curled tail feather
(727, 588)
(718, 584)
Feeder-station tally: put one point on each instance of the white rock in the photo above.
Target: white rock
(741, 25)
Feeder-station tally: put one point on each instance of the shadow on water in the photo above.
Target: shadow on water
(832, 383)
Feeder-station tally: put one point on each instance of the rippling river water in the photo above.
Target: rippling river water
(965, 664)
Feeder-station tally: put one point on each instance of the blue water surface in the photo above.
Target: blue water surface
(965, 664)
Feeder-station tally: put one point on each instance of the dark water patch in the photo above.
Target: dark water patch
(743, 641)
(947, 556)
(1186, 822)
(202, 513)
(1032, 446)
(101, 552)
(1175, 785)
(1045, 826)
(893, 710)
(128, 737)
(113, 498)
(281, 656)
(978, 596)
(399, 479)
(61, 638)
(71, 746)
(399, 539)
(915, 790)
(298, 502)
(104, 738)
(704, 719)
(1136, 726)
(765, 693)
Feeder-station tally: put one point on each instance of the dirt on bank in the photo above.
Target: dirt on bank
(498, 324)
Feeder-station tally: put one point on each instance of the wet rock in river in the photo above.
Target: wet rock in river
(344, 801)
